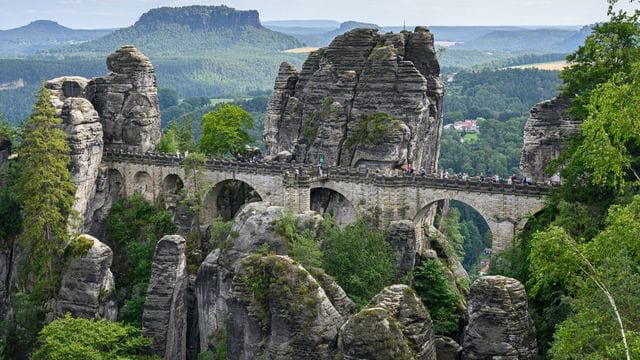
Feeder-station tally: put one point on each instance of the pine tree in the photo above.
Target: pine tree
(46, 192)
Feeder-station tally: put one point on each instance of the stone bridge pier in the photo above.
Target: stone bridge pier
(504, 207)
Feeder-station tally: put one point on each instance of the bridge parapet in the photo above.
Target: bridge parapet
(346, 174)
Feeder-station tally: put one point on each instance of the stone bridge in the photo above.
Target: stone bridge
(504, 207)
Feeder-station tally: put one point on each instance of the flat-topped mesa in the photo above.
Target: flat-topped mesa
(367, 100)
(127, 101)
(200, 17)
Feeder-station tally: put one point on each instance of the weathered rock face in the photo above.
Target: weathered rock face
(165, 309)
(545, 136)
(277, 310)
(127, 101)
(402, 237)
(395, 326)
(500, 326)
(88, 287)
(361, 73)
(254, 228)
(84, 132)
(447, 348)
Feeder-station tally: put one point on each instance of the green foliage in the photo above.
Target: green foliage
(132, 231)
(303, 247)
(10, 216)
(167, 98)
(46, 193)
(199, 187)
(450, 227)
(29, 319)
(224, 130)
(610, 50)
(590, 270)
(360, 259)
(497, 94)
(79, 246)
(607, 153)
(372, 129)
(497, 150)
(431, 285)
(70, 338)
(169, 141)
(220, 230)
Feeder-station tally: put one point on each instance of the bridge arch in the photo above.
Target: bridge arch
(143, 185)
(171, 184)
(502, 228)
(226, 197)
(327, 200)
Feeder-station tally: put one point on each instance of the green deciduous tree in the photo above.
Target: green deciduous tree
(70, 338)
(46, 192)
(433, 288)
(611, 49)
(133, 228)
(606, 154)
(603, 279)
(198, 188)
(360, 259)
(224, 130)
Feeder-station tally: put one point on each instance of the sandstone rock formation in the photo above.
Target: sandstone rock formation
(447, 348)
(328, 107)
(545, 136)
(500, 326)
(395, 326)
(277, 310)
(84, 132)
(127, 101)
(253, 229)
(118, 111)
(88, 287)
(402, 237)
(165, 310)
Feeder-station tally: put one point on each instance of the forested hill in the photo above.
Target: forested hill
(42, 34)
(192, 30)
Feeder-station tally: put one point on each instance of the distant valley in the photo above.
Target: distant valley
(220, 52)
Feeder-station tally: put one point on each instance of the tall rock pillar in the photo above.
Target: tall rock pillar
(127, 101)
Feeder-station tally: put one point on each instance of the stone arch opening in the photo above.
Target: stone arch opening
(328, 201)
(172, 184)
(226, 198)
(143, 185)
(469, 232)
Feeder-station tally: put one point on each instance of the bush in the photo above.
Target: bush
(71, 338)
(441, 301)
(359, 258)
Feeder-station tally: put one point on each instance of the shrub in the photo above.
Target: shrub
(441, 301)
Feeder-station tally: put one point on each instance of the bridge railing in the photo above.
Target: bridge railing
(309, 172)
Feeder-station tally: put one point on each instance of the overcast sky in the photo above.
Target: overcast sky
(90, 14)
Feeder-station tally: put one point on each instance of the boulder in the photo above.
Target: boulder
(317, 111)
(253, 230)
(500, 326)
(447, 348)
(88, 287)
(545, 135)
(394, 326)
(127, 101)
(277, 310)
(164, 318)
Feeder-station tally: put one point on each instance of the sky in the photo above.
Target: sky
(93, 14)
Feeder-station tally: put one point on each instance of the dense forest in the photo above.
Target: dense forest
(579, 257)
